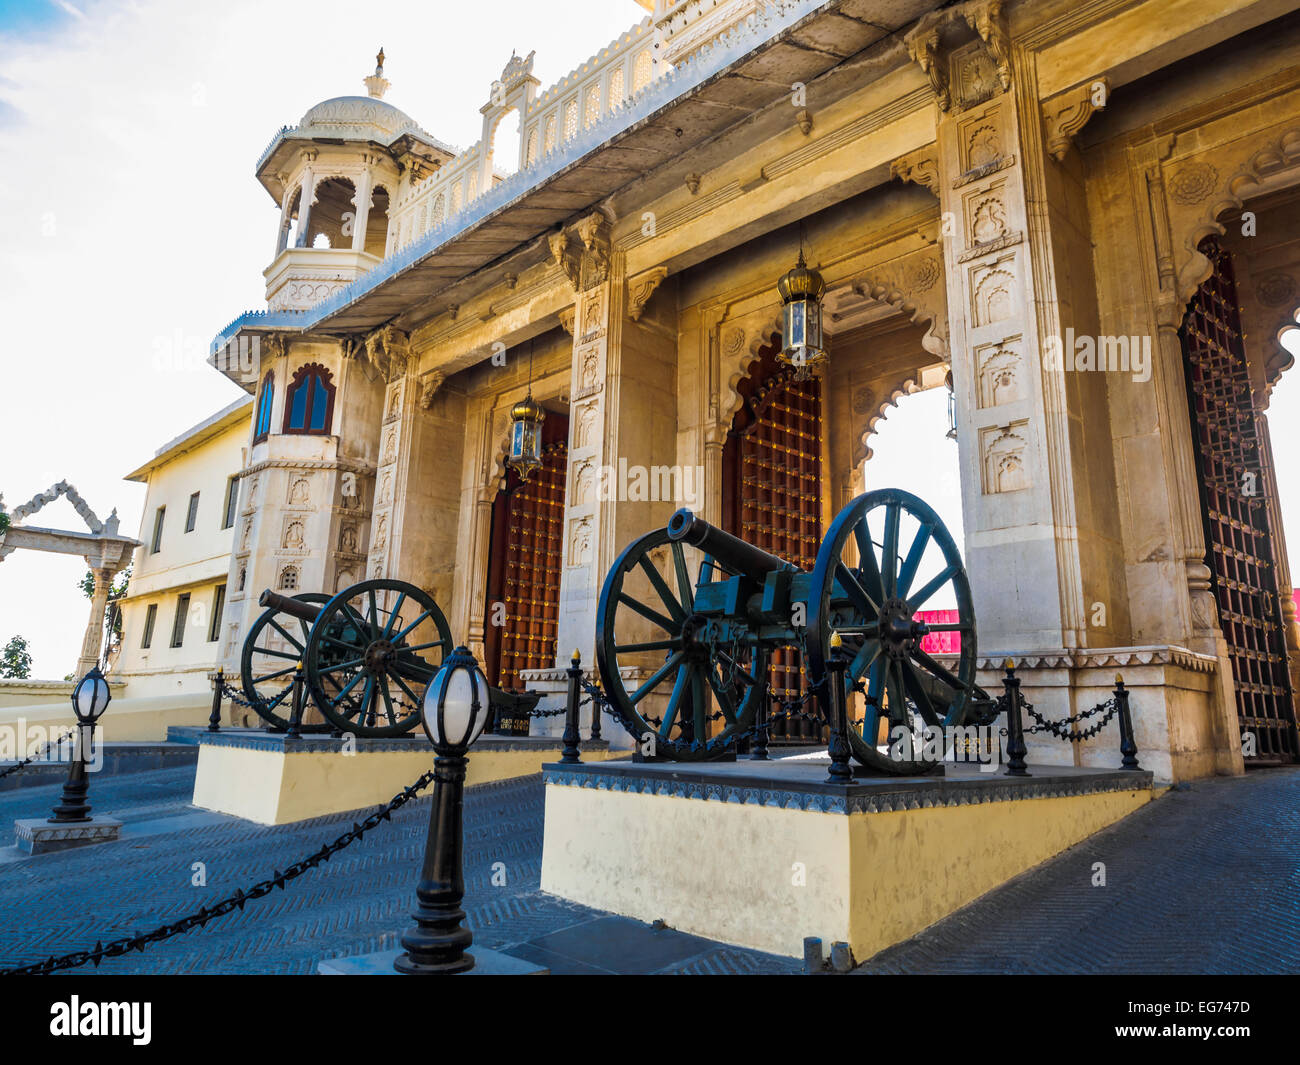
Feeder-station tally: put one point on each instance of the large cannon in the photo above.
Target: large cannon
(689, 616)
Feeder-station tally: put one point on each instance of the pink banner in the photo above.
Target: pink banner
(940, 643)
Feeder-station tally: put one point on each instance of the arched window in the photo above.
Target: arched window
(550, 135)
(530, 153)
(570, 119)
(439, 209)
(309, 401)
(263, 424)
(616, 93)
(592, 109)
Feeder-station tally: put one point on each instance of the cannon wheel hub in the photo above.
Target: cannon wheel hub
(898, 631)
(379, 654)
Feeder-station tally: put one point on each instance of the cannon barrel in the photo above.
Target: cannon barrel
(733, 552)
(288, 605)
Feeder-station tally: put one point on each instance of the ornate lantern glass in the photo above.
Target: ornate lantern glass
(951, 434)
(526, 437)
(802, 343)
(90, 698)
(455, 707)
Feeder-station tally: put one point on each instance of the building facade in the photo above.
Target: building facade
(172, 614)
(1085, 217)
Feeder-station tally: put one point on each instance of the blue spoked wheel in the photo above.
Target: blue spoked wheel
(372, 651)
(678, 689)
(886, 556)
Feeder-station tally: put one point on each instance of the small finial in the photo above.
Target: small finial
(1119, 678)
(1009, 664)
(377, 84)
(837, 641)
(577, 657)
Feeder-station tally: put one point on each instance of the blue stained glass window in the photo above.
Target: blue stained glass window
(309, 402)
(264, 408)
(298, 412)
(319, 404)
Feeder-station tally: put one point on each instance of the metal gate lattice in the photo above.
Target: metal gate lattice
(532, 569)
(1239, 542)
(775, 466)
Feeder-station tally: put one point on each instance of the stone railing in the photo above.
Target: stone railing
(415, 236)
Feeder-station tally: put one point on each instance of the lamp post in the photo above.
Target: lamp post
(90, 698)
(453, 713)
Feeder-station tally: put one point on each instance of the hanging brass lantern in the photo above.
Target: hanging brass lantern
(951, 434)
(801, 318)
(526, 419)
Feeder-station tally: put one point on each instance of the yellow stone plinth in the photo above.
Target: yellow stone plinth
(765, 854)
(273, 780)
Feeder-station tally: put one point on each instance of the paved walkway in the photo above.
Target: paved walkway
(1204, 880)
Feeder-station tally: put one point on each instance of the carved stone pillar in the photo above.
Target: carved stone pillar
(304, 204)
(93, 642)
(361, 220)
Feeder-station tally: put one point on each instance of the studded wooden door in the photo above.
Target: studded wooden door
(1239, 544)
(524, 567)
(771, 491)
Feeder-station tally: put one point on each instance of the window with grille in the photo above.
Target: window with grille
(155, 544)
(178, 622)
(218, 607)
(1239, 543)
(232, 503)
(771, 489)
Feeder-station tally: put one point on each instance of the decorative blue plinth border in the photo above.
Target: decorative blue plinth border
(791, 786)
(257, 740)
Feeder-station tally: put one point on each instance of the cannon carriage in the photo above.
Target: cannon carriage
(689, 617)
(367, 655)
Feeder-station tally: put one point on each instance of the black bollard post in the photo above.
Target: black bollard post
(570, 753)
(837, 715)
(758, 749)
(1015, 727)
(597, 708)
(1127, 744)
(214, 719)
(295, 712)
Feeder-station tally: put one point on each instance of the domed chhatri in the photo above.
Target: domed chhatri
(334, 177)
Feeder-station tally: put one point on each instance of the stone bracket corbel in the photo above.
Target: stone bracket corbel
(923, 46)
(429, 385)
(1066, 113)
(921, 167)
(641, 288)
(987, 19)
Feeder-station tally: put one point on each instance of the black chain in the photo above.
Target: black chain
(38, 756)
(237, 901)
(1061, 727)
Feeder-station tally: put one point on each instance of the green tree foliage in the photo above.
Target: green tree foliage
(112, 611)
(15, 661)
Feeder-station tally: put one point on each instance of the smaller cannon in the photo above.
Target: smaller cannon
(367, 654)
(689, 616)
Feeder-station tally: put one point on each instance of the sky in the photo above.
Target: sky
(132, 230)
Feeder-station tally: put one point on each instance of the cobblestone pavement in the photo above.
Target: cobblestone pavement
(1204, 880)
(357, 902)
